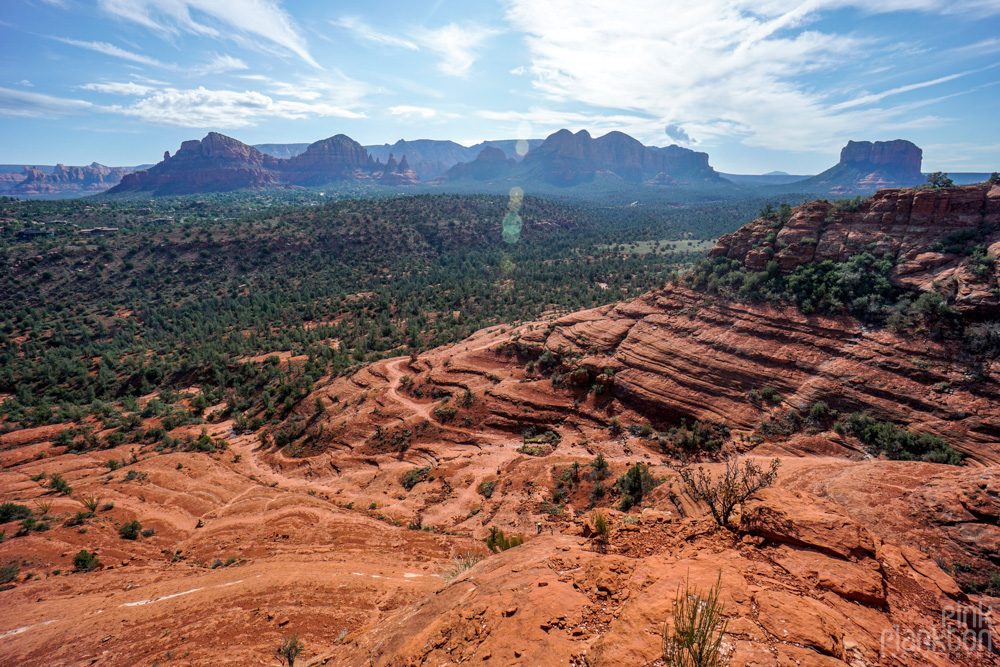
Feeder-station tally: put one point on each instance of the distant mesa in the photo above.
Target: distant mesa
(867, 166)
(219, 163)
(61, 180)
(566, 159)
(491, 164)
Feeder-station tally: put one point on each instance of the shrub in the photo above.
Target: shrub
(460, 564)
(601, 526)
(413, 476)
(13, 512)
(819, 412)
(486, 488)
(78, 519)
(9, 572)
(497, 541)
(289, 649)
(131, 530)
(91, 503)
(696, 637)
(601, 469)
(894, 442)
(444, 413)
(59, 485)
(634, 485)
(734, 487)
(84, 561)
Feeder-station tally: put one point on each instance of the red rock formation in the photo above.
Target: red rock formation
(334, 159)
(901, 155)
(220, 163)
(217, 163)
(566, 159)
(491, 163)
(68, 180)
(865, 167)
(906, 226)
(397, 173)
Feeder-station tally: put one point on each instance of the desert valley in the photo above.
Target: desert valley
(694, 363)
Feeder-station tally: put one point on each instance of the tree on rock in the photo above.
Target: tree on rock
(737, 484)
(939, 179)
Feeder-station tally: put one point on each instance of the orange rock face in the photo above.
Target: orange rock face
(904, 225)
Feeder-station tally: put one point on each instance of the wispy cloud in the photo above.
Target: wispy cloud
(219, 64)
(456, 45)
(411, 111)
(980, 48)
(366, 33)
(871, 98)
(734, 68)
(116, 52)
(25, 104)
(249, 20)
(113, 88)
(223, 109)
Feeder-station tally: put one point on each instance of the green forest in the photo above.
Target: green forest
(203, 292)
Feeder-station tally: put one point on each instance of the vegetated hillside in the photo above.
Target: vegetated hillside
(164, 306)
(370, 517)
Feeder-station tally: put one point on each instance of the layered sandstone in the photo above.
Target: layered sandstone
(918, 230)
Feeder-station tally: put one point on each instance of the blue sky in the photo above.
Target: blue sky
(762, 85)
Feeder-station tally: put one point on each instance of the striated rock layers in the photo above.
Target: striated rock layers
(219, 163)
(865, 167)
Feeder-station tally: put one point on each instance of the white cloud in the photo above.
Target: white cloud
(25, 104)
(369, 34)
(223, 109)
(456, 45)
(334, 87)
(219, 64)
(115, 52)
(410, 111)
(541, 122)
(26, 83)
(721, 67)
(251, 19)
(112, 88)
(876, 97)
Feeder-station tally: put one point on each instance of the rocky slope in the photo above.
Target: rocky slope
(929, 235)
(343, 520)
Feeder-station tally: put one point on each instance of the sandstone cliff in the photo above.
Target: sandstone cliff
(929, 235)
